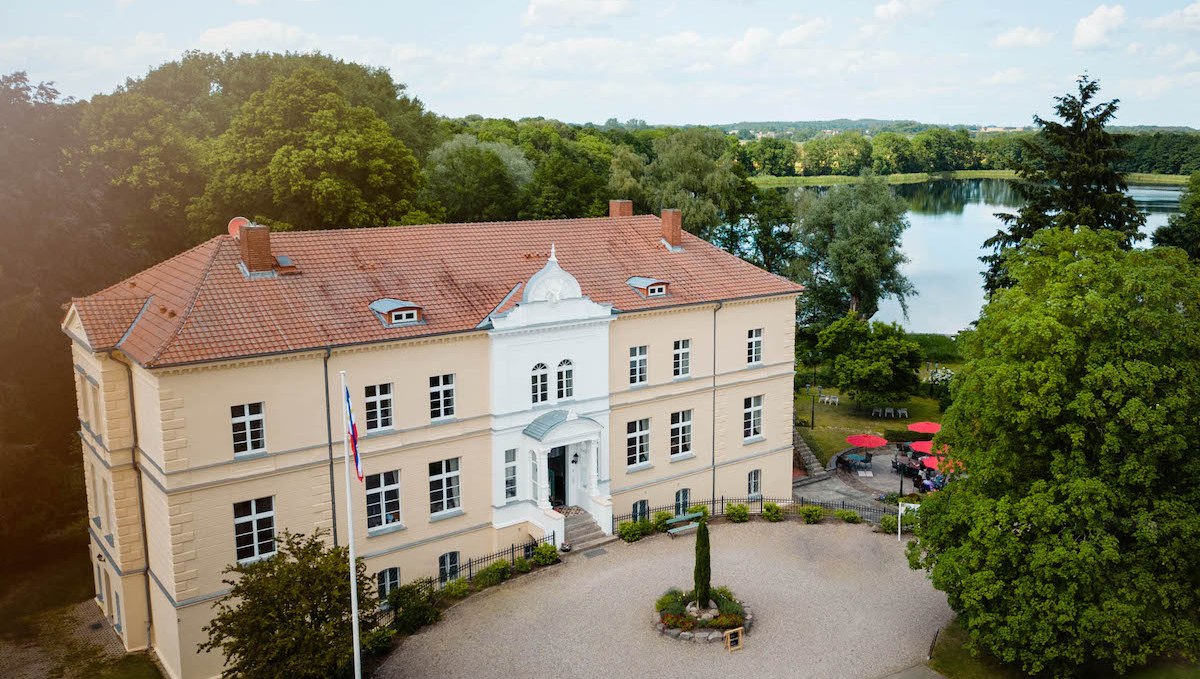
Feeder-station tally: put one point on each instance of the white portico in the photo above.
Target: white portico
(549, 362)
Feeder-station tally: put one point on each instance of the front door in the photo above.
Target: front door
(557, 462)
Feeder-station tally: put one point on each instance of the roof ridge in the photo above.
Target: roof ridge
(183, 317)
(117, 286)
(526, 222)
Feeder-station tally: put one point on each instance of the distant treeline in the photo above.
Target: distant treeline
(940, 149)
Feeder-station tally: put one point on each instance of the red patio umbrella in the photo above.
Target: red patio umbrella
(931, 461)
(925, 427)
(866, 441)
(926, 447)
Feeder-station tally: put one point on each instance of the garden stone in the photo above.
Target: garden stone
(707, 616)
(700, 637)
(659, 627)
(686, 636)
(715, 636)
(672, 632)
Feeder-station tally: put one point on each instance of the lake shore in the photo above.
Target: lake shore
(921, 177)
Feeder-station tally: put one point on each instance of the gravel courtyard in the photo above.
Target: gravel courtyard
(832, 600)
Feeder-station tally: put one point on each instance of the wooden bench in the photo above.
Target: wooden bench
(686, 527)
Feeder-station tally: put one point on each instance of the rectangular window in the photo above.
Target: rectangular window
(754, 483)
(100, 584)
(752, 417)
(637, 365)
(248, 428)
(254, 528)
(658, 290)
(566, 379)
(510, 473)
(95, 407)
(383, 499)
(681, 364)
(754, 346)
(681, 432)
(379, 406)
(443, 486)
(637, 442)
(389, 580)
(104, 505)
(405, 316)
(641, 510)
(683, 500)
(538, 384)
(448, 567)
(441, 396)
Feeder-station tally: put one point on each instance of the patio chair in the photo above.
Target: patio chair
(889, 412)
(835, 400)
(876, 412)
(902, 413)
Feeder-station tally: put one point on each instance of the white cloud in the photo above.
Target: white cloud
(1022, 37)
(1007, 76)
(1093, 31)
(898, 9)
(751, 46)
(1135, 48)
(573, 13)
(1156, 86)
(1187, 18)
(803, 30)
(1172, 54)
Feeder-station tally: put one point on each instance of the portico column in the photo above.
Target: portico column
(543, 478)
(593, 462)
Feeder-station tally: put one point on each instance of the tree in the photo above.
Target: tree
(477, 181)
(849, 248)
(299, 155)
(1072, 542)
(1183, 229)
(893, 153)
(847, 153)
(772, 233)
(875, 363)
(772, 157)
(1068, 180)
(568, 182)
(702, 575)
(940, 150)
(289, 615)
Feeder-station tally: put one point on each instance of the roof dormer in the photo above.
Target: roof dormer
(397, 313)
(649, 287)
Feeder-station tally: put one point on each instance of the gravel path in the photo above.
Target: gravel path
(833, 600)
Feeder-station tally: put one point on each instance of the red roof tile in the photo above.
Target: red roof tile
(202, 308)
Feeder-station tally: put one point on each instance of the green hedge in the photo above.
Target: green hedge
(905, 436)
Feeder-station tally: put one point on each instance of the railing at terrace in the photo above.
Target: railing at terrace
(755, 505)
(468, 569)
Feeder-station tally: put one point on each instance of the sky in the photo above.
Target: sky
(663, 61)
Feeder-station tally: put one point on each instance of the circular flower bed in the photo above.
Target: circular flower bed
(678, 613)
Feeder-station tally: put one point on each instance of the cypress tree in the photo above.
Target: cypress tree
(703, 573)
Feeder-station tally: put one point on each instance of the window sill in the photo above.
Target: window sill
(442, 420)
(682, 456)
(448, 514)
(754, 496)
(756, 364)
(382, 431)
(384, 530)
(682, 378)
(509, 501)
(249, 455)
(638, 385)
(254, 559)
(640, 467)
(753, 439)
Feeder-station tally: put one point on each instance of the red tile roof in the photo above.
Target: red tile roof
(202, 308)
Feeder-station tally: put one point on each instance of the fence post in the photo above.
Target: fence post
(722, 505)
(843, 504)
(760, 504)
(512, 552)
(471, 570)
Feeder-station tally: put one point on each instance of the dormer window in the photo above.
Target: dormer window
(396, 313)
(648, 287)
(657, 290)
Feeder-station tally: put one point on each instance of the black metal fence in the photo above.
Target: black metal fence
(468, 569)
(718, 506)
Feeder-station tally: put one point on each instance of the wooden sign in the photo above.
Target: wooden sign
(733, 639)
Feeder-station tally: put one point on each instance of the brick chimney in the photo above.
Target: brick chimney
(620, 208)
(672, 226)
(255, 242)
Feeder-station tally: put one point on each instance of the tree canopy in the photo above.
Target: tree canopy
(1068, 180)
(1071, 542)
(876, 363)
(1183, 229)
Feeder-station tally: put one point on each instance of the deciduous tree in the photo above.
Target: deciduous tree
(1183, 229)
(478, 181)
(876, 363)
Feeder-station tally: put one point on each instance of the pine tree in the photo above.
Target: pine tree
(703, 573)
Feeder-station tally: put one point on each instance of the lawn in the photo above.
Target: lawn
(921, 177)
(835, 423)
(953, 660)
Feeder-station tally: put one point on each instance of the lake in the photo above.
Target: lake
(950, 220)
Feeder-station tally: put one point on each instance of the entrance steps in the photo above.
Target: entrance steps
(583, 533)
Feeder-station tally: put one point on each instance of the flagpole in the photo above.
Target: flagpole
(350, 527)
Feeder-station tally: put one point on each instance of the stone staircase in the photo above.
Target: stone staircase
(812, 465)
(583, 533)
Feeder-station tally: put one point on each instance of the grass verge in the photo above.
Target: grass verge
(921, 177)
(835, 423)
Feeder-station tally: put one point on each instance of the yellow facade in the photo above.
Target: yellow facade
(162, 477)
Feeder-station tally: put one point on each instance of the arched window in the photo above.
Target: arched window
(566, 379)
(540, 383)
(641, 510)
(683, 500)
(754, 483)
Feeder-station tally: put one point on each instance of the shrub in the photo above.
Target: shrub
(726, 621)
(699, 509)
(415, 605)
(810, 513)
(646, 527)
(545, 554)
(727, 604)
(905, 436)
(684, 622)
(887, 523)
(457, 589)
(660, 521)
(737, 513)
(494, 574)
(671, 602)
(378, 640)
(630, 531)
(522, 565)
(772, 512)
(848, 515)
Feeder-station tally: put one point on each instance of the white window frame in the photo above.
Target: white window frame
(387, 581)
(447, 482)
(255, 519)
(448, 567)
(754, 484)
(752, 411)
(378, 399)
(383, 497)
(405, 316)
(681, 433)
(641, 510)
(638, 367)
(754, 346)
(566, 379)
(441, 397)
(681, 360)
(684, 494)
(510, 474)
(539, 384)
(250, 422)
(637, 442)
(656, 290)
